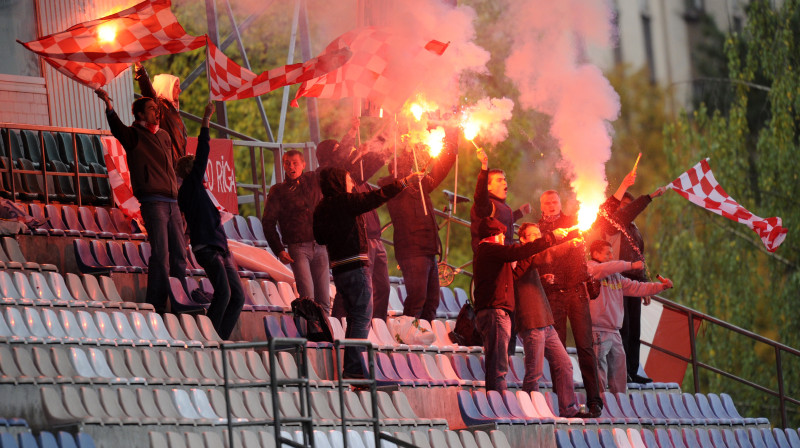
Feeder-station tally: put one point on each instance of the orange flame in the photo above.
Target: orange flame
(107, 32)
(420, 106)
(470, 129)
(590, 202)
(435, 141)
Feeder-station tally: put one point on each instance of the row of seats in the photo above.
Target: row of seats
(26, 144)
(260, 294)
(432, 438)
(36, 364)
(81, 327)
(49, 289)
(25, 154)
(46, 439)
(485, 407)
(11, 257)
(678, 438)
(82, 221)
(103, 405)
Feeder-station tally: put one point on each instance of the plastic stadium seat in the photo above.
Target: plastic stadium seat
(37, 212)
(56, 221)
(125, 224)
(12, 249)
(73, 223)
(637, 401)
(428, 371)
(87, 263)
(106, 224)
(89, 223)
(190, 326)
(245, 232)
(101, 186)
(134, 256)
(100, 252)
(63, 185)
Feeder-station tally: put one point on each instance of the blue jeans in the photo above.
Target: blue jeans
(228, 292)
(353, 287)
(495, 327)
(312, 272)
(164, 226)
(611, 361)
(540, 343)
(574, 303)
(421, 277)
(378, 273)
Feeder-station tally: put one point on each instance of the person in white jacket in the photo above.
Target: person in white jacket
(607, 311)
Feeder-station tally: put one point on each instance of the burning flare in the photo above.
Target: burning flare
(435, 141)
(107, 32)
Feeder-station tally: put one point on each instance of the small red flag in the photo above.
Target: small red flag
(436, 47)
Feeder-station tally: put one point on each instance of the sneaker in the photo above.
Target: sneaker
(595, 410)
(640, 379)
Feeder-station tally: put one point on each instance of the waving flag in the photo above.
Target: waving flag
(230, 81)
(381, 64)
(95, 52)
(699, 186)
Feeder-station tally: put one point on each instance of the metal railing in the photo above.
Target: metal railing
(305, 418)
(779, 349)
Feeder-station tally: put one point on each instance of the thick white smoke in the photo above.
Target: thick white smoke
(546, 67)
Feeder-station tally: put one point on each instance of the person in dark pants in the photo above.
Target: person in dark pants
(416, 235)
(150, 159)
(209, 243)
(494, 293)
(339, 225)
(628, 245)
(491, 190)
(362, 163)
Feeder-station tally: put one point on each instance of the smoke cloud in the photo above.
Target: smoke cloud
(546, 66)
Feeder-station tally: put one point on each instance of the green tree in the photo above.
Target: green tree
(720, 267)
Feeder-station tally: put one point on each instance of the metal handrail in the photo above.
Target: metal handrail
(694, 315)
(306, 419)
(373, 389)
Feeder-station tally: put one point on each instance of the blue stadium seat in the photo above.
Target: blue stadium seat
(469, 412)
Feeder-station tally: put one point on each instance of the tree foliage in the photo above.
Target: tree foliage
(720, 267)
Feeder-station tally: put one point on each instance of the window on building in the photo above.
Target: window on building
(17, 22)
(647, 31)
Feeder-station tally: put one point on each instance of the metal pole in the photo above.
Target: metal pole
(246, 61)
(305, 53)
(289, 60)
(781, 391)
(693, 346)
(213, 35)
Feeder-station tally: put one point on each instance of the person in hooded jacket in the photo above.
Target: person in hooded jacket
(165, 90)
(209, 242)
(362, 162)
(339, 225)
(416, 235)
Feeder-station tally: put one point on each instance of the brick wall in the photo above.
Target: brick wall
(24, 100)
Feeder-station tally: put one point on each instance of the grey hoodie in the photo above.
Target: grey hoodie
(607, 309)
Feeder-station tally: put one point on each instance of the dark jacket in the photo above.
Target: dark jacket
(338, 222)
(170, 120)
(623, 218)
(369, 164)
(416, 234)
(568, 265)
(486, 204)
(149, 156)
(290, 206)
(532, 306)
(202, 217)
(494, 280)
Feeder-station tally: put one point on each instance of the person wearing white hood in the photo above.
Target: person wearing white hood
(166, 90)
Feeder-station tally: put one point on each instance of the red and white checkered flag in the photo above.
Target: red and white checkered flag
(230, 81)
(120, 178)
(96, 51)
(699, 186)
(380, 61)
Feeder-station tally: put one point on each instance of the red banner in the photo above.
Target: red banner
(220, 173)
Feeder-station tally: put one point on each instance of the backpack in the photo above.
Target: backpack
(466, 332)
(318, 329)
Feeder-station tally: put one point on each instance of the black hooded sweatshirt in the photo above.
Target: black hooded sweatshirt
(338, 220)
